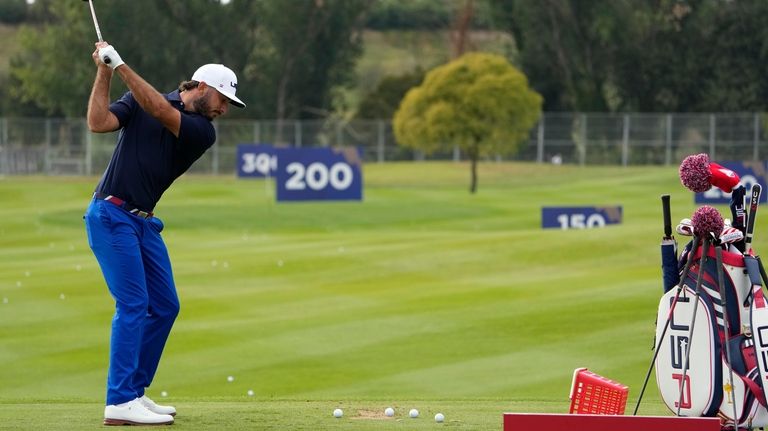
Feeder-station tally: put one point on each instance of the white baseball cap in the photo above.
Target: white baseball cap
(222, 78)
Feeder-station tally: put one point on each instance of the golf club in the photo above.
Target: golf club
(107, 60)
(697, 293)
(726, 328)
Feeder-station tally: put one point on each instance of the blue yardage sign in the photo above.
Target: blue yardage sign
(579, 217)
(749, 173)
(319, 174)
(256, 160)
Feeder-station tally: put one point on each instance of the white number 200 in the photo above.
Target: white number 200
(317, 176)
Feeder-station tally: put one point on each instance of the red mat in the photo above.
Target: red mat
(568, 422)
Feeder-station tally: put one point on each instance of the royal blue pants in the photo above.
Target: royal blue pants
(137, 270)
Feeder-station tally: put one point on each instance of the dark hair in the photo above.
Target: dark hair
(188, 85)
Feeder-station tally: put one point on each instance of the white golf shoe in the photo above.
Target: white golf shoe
(157, 408)
(133, 413)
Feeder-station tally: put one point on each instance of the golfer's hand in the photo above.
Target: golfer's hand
(95, 54)
(109, 56)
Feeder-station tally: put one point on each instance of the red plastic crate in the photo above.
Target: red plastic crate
(596, 395)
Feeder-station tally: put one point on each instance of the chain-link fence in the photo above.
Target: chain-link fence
(65, 146)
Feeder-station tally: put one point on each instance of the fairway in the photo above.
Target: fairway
(420, 296)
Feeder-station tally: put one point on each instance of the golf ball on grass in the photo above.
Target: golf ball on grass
(439, 418)
(338, 413)
(230, 379)
(389, 412)
(413, 413)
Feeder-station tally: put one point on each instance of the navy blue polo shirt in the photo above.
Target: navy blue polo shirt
(148, 157)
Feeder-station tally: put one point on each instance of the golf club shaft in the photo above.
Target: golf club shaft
(686, 360)
(95, 21)
(107, 60)
(726, 329)
(684, 275)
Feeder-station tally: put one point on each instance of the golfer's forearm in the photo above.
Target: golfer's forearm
(150, 99)
(98, 117)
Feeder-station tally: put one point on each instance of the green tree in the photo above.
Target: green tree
(289, 55)
(566, 47)
(12, 11)
(641, 55)
(55, 71)
(694, 56)
(478, 102)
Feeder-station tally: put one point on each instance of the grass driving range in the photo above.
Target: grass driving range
(421, 296)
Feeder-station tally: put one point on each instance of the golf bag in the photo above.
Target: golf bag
(705, 381)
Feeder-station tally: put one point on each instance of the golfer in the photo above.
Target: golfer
(161, 135)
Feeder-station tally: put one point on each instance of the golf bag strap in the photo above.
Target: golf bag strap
(756, 390)
(729, 258)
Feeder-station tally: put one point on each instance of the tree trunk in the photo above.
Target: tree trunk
(474, 155)
(314, 26)
(460, 31)
(473, 185)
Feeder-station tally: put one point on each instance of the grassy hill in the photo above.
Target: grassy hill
(398, 52)
(420, 296)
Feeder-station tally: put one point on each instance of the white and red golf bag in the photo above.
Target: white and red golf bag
(697, 322)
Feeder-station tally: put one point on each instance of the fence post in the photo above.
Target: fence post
(625, 141)
(712, 155)
(583, 134)
(540, 141)
(297, 137)
(380, 142)
(47, 157)
(756, 143)
(3, 145)
(668, 143)
(257, 132)
(88, 150)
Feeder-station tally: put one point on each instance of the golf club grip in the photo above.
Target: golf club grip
(753, 205)
(667, 216)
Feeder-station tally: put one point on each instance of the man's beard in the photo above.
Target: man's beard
(202, 107)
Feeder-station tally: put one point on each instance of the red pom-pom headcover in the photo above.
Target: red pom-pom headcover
(707, 220)
(694, 173)
(698, 174)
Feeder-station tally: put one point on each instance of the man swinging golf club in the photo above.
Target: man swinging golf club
(161, 135)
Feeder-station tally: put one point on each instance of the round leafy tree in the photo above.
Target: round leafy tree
(478, 102)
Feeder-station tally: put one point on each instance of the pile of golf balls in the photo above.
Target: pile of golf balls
(390, 412)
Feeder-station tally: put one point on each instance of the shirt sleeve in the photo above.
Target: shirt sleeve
(123, 107)
(196, 132)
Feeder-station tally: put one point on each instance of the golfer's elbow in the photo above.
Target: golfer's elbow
(102, 124)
